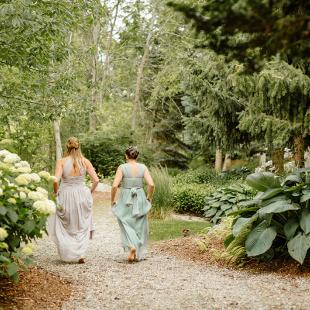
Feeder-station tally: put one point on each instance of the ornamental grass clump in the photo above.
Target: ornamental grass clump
(277, 221)
(161, 202)
(24, 208)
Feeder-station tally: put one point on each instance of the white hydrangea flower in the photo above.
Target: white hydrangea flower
(3, 153)
(35, 196)
(11, 158)
(22, 179)
(22, 164)
(3, 233)
(12, 201)
(23, 169)
(35, 177)
(45, 206)
(24, 189)
(28, 249)
(45, 175)
(43, 191)
(22, 195)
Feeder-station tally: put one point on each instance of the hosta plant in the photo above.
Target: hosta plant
(225, 200)
(24, 208)
(277, 220)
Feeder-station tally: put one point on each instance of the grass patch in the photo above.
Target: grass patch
(172, 228)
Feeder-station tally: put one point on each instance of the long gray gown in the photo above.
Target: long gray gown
(131, 211)
(70, 227)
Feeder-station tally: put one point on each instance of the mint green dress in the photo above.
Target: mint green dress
(131, 211)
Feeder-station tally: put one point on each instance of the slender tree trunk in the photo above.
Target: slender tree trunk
(299, 150)
(218, 160)
(95, 33)
(136, 106)
(58, 147)
(278, 160)
(227, 162)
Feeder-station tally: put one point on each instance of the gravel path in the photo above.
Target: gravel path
(106, 281)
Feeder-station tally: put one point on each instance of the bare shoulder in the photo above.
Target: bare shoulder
(87, 162)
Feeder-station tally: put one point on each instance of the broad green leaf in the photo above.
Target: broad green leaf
(210, 212)
(12, 215)
(12, 269)
(260, 239)
(305, 196)
(299, 246)
(4, 259)
(263, 181)
(269, 193)
(305, 221)
(278, 207)
(29, 226)
(292, 178)
(241, 223)
(3, 210)
(290, 228)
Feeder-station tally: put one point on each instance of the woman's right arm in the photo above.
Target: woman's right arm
(58, 174)
(150, 184)
(117, 180)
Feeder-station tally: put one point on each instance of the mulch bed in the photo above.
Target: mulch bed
(36, 289)
(187, 248)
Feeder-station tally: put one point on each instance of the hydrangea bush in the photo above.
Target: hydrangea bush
(24, 208)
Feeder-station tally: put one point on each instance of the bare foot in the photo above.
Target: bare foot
(82, 260)
(132, 255)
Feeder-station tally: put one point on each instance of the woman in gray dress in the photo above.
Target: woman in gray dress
(72, 225)
(132, 206)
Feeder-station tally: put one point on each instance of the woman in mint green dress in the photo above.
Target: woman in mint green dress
(132, 205)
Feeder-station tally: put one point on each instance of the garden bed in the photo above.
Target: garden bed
(187, 248)
(37, 289)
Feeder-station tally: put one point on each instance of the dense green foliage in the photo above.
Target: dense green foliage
(161, 202)
(24, 207)
(276, 222)
(224, 201)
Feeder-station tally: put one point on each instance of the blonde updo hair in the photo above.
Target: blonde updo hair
(74, 151)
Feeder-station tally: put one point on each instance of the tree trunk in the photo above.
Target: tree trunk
(227, 163)
(94, 75)
(278, 160)
(58, 147)
(136, 106)
(218, 160)
(299, 150)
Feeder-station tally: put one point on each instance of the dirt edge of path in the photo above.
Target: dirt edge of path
(36, 289)
(187, 248)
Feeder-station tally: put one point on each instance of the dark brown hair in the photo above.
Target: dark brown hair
(132, 152)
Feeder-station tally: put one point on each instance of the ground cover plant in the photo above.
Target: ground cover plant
(24, 208)
(277, 221)
(226, 200)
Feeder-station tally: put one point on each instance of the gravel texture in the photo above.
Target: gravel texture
(107, 281)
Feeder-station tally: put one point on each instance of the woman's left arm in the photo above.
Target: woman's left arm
(93, 175)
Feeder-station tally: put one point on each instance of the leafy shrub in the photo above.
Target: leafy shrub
(107, 152)
(225, 200)
(161, 203)
(190, 198)
(24, 208)
(277, 220)
(198, 176)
